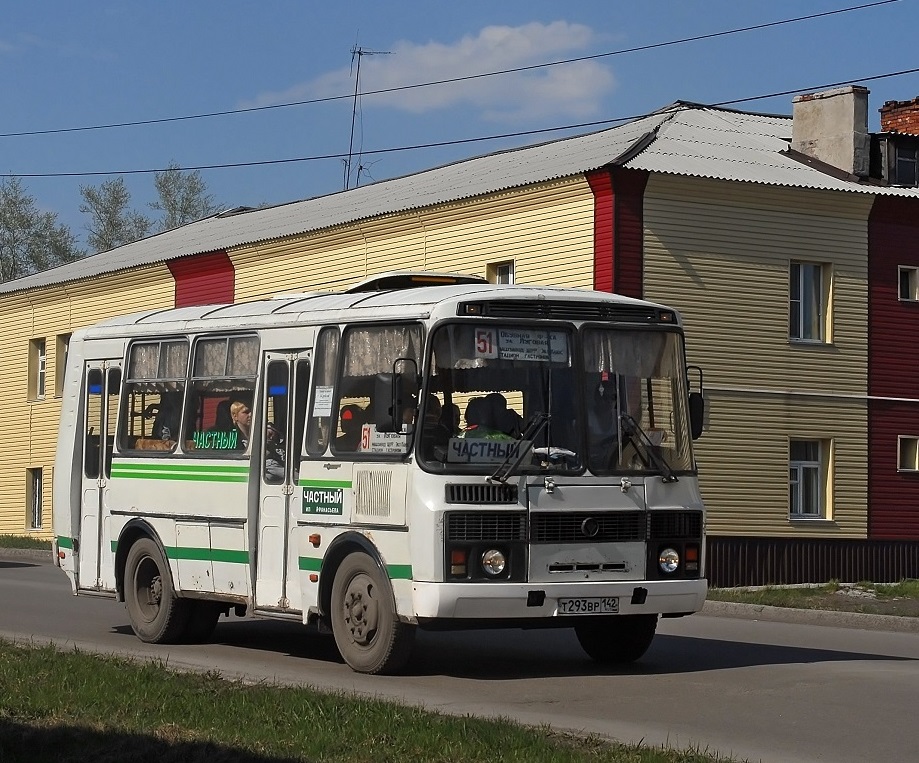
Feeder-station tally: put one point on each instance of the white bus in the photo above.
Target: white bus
(421, 451)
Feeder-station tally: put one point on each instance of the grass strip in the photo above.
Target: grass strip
(23, 541)
(68, 706)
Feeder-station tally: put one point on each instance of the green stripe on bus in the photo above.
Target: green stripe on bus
(325, 483)
(173, 467)
(208, 554)
(395, 571)
(182, 472)
(63, 542)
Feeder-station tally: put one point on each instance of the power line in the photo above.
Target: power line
(458, 141)
(466, 78)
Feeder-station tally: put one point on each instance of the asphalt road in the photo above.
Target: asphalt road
(844, 690)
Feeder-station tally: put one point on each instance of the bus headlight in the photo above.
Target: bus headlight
(493, 562)
(669, 560)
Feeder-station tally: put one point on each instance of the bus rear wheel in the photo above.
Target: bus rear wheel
(367, 630)
(157, 615)
(620, 639)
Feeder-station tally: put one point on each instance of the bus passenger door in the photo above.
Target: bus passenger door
(282, 418)
(101, 388)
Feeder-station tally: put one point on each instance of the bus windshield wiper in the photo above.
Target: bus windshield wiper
(507, 467)
(638, 437)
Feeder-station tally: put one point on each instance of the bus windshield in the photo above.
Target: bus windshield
(534, 397)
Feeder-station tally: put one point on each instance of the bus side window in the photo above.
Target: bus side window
(151, 402)
(222, 395)
(322, 419)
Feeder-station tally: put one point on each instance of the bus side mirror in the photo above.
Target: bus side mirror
(394, 396)
(696, 414)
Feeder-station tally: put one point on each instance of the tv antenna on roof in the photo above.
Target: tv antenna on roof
(358, 53)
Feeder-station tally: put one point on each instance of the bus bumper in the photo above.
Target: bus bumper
(527, 601)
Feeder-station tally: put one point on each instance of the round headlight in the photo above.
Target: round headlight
(493, 562)
(669, 560)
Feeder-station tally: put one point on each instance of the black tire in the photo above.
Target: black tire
(368, 633)
(202, 619)
(157, 615)
(620, 639)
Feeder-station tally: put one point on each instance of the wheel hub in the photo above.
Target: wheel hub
(360, 610)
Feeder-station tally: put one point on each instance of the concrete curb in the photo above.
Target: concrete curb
(812, 617)
(31, 554)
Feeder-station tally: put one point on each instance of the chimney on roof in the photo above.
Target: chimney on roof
(832, 127)
(901, 117)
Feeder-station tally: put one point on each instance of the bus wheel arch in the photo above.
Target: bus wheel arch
(130, 534)
(157, 614)
(359, 605)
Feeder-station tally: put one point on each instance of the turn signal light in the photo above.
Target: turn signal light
(458, 561)
(315, 539)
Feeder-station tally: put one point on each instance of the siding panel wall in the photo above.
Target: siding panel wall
(547, 230)
(720, 253)
(32, 424)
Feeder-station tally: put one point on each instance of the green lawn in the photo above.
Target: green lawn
(58, 707)
(23, 541)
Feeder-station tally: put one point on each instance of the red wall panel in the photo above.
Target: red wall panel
(893, 368)
(203, 279)
(618, 230)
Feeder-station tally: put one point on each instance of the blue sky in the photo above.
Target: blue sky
(71, 65)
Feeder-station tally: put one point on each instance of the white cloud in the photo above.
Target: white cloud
(567, 90)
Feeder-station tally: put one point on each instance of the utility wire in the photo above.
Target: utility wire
(466, 78)
(455, 142)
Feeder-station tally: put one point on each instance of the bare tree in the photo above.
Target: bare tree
(112, 223)
(183, 197)
(30, 240)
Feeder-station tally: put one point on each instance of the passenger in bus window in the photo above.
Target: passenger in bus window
(480, 421)
(352, 421)
(241, 416)
(274, 454)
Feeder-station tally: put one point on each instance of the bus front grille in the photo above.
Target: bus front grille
(683, 525)
(485, 526)
(584, 527)
(488, 493)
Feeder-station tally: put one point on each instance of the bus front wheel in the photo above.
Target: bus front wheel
(157, 615)
(367, 630)
(619, 639)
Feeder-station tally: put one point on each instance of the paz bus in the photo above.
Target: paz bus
(420, 451)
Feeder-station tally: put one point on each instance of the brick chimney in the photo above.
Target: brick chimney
(901, 117)
(832, 127)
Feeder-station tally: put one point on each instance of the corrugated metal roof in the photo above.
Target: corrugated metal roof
(690, 140)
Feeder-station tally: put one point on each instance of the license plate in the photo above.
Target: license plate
(600, 605)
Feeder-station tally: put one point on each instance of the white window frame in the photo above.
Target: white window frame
(908, 283)
(808, 318)
(34, 498)
(800, 471)
(38, 360)
(907, 453)
(61, 348)
(501, 272)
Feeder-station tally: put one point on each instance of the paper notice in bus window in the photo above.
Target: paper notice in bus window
(521, 344)
(322, 401)
(482, 451)
(382, 442)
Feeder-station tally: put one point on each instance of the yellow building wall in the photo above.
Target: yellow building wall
(30, 425)
(547, 230)
(720, 253)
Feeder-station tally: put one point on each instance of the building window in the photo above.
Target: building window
(807, 479)
(34, 498)
(808, 287)
(62, 345)
(909, 284)
(906, 166)
(500, 272)
(37, 359)
(908, 454)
